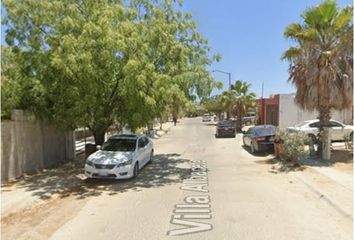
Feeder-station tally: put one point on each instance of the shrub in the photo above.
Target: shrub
(294, 147)
(280, 135)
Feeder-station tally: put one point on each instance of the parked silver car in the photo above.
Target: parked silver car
(311, 128)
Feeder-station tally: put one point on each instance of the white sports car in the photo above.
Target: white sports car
(311, 128)
(120, 157)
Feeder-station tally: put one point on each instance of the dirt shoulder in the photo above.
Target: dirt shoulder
(42, 220)
(330, 181)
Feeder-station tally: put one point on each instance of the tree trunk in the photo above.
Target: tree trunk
(325, 141)
(239, 120)
(99, 136)
(161, 123)
(326, 144)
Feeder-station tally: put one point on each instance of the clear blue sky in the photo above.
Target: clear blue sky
(249, 36)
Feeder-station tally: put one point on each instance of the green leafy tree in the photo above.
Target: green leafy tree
(179, 56)
(10, 87)
(215, 105)
(321, 62)
(98, 63)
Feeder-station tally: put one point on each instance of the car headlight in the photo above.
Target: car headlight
(129, 162)
(88, 162)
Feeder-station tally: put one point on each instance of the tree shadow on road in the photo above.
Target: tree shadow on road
(65, 181)
(164, 170)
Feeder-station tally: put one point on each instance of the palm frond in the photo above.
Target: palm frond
(293, 30)
(290, 54)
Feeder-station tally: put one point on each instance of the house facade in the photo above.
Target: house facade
(281, 110)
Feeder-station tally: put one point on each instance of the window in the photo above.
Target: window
(141, 143)
(119, 145)
(335, 124)
(315, 125)
(301, 124)
(145, 141)
(225, 124)
(263, 131)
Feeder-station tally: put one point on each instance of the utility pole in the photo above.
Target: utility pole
(228, 73)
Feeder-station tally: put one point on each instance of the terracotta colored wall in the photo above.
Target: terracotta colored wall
(271, 103)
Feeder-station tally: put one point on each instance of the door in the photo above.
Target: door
(337, 131)
(141, 152)
(146, 149)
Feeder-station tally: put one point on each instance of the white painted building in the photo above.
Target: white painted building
(290, 113)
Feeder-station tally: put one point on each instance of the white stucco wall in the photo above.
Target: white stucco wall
(290, 113)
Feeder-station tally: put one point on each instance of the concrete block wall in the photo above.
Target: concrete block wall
(28, 144)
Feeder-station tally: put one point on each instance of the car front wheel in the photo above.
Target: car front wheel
(151, 156)
(136, 170)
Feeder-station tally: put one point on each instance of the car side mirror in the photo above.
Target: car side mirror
(98, 147)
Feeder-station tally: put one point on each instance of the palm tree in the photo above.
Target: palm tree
(239, 100)
(321, 62)
(226, 101)
(243, 99)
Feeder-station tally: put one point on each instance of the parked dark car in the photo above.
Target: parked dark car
(259, 138)
(225, 129)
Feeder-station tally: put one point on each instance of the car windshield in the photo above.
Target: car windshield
(301, 124)
(264, 131)
(224, 124)
(119, 145)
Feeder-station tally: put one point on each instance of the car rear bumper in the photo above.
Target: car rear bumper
(226, 133)
(264, 146)
(115, 173)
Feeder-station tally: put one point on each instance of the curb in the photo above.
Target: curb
(164, 132)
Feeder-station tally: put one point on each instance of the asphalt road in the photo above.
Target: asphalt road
(198, 187)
